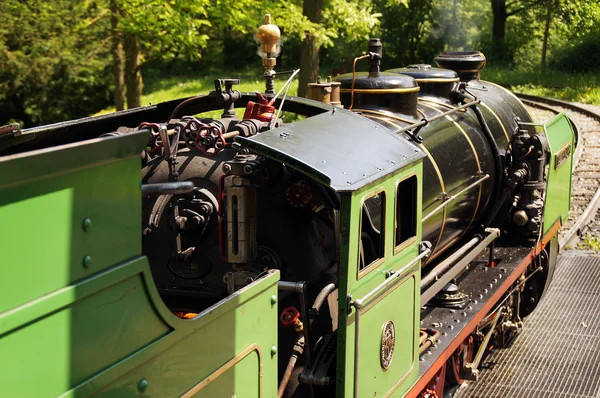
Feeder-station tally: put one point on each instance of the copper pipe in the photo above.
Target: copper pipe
(298, 350)
(300, 339)
(232, 134)
(432, 337)
(354, 78)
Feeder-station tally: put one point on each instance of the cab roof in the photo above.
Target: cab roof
(340, 148)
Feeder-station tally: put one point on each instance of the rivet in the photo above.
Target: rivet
(87, 224)
(142, 385)
(273, 299)
(87, 260)
(273, 350)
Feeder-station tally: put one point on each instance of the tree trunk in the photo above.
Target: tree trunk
(117, 53)
(499, 51)
(309, 48)
(133, 75)
(500, 15)
(546, 34)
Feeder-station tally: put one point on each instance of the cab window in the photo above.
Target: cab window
(406, 210)
(372, 232)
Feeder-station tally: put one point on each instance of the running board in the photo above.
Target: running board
(484, 285)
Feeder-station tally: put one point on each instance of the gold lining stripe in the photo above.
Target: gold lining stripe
(499, 120)
(385, 114)
(438, 80)
(436, 102)
(380, 90)
(478, 168)
(447, 245)
(439, 174)
(228, 365)
(476, 160)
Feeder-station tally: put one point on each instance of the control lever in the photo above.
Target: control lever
(168, 188)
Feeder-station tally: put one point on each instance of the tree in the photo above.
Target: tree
(501, 11)
(157, 30)
(413, 22)
(117, 56)
(52, 67)
(309, 49)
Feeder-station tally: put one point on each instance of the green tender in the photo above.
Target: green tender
(79, 311)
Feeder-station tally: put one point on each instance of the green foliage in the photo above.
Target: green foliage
(581, 58)
(583, 88)
(52, 65)
(55, 56)
(590, 242)
(167, 29)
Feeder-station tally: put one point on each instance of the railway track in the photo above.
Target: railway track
(585, 204)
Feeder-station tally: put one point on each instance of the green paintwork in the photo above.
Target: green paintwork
(401, 304)
(79, 311)
(558, 193)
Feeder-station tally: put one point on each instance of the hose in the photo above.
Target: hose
(299, 342)
(321, 298)
(183, 104)
(296, 352)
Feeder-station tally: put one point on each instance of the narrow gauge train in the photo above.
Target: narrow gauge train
(374, 247)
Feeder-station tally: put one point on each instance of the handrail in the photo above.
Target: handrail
(358, 304)
(453, 197)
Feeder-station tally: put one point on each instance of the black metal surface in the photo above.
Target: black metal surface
(339, 148)
(425, 71)
(480, 283)
(466, 63)
(458, 155)
(436, 82)
(557, 354)
(383, 81)
(94, 126)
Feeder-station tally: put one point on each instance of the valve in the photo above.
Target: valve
(227, 96)
(262, 110)
(291, 317)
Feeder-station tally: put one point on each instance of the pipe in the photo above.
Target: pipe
(183, 104)
(426, 121)
(446, 264)
(495, 151)
(167, 188)
(297, 351)
(431, 338)
(458, 267)
(326, 291)
(453, 197)
(300, 342)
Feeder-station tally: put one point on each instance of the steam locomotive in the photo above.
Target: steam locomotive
(375, 246)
